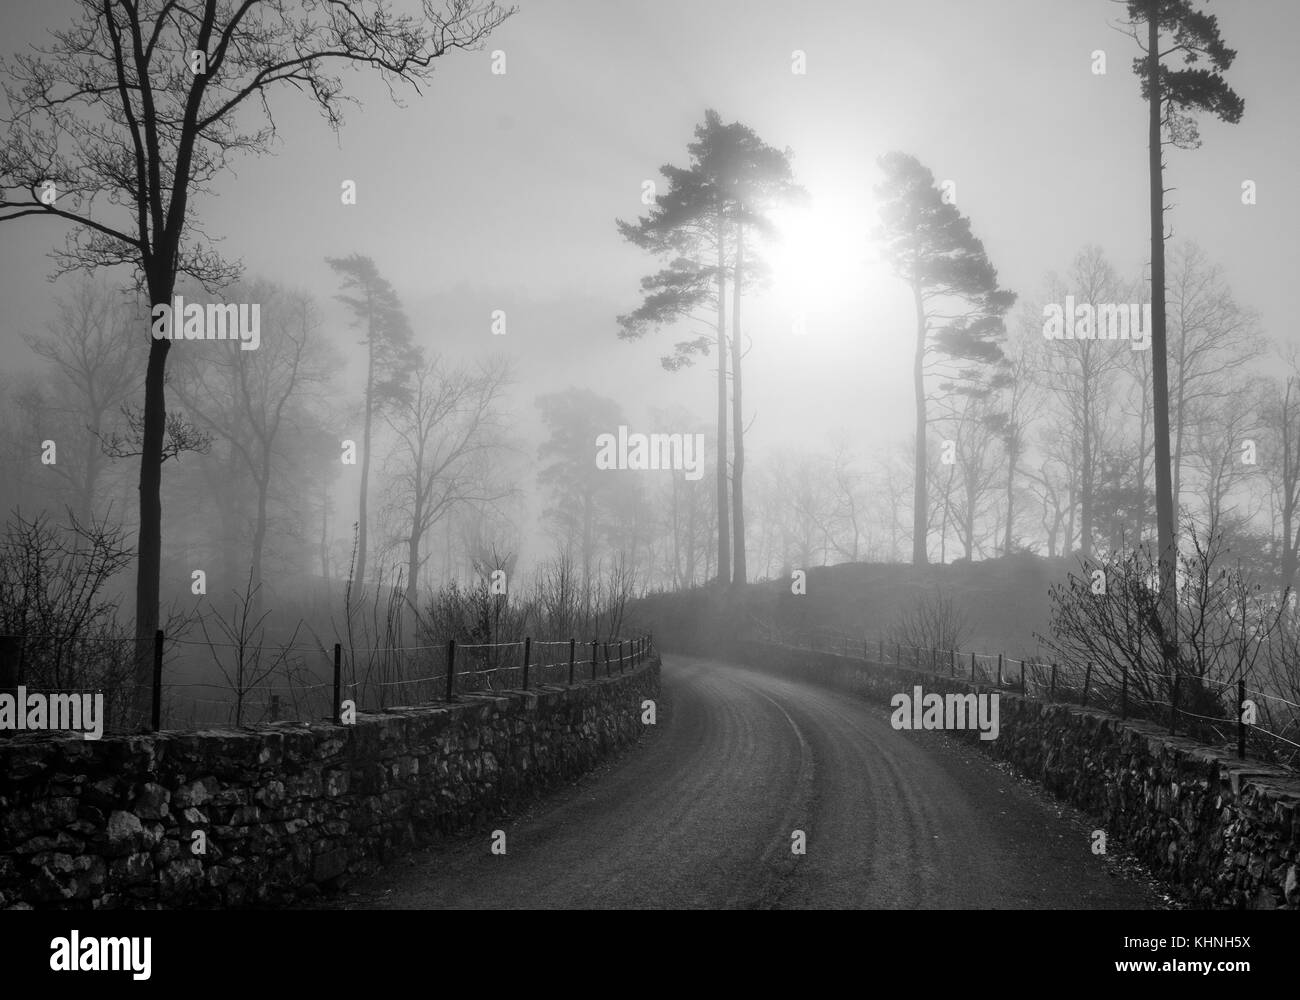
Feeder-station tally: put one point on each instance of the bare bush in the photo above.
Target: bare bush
(935, 623)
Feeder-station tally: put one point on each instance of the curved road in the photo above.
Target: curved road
(700, 814)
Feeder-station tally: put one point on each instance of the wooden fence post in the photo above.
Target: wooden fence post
(573, 647)
(528, 649)
(451, 670)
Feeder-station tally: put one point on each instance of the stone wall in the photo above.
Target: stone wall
(1221, 832)
(287, 810)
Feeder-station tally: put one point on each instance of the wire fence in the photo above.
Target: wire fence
(306, 682)
(1220, 711)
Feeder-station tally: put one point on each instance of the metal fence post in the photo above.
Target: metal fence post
(573, 646)
(451, 670)
(972, 666)
(593, 659)
(1241, 718)
(528, 649)
(157, 679)
(1022, 678)
(952, 664)
(607, 673)
(999, 670)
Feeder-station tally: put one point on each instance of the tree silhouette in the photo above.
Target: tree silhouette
(128, 115)
(959, 306)
(733, 179)
(1173, 96)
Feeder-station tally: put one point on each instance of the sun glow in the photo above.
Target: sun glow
(823, 265)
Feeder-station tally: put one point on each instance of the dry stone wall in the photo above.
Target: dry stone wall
(1222, 832)
(284, 812)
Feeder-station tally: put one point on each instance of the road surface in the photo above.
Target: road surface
(701, 814)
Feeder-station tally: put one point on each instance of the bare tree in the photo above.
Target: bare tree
(243, 396)
(86, 350)
(128, 115)
(444, 428)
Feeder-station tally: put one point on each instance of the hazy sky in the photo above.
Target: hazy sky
(501, 191)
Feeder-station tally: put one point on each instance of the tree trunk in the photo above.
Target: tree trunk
(1011, 478)
(920, 498)
(1141, 516)
(149, 562)
(1166, 538)
(360, 576)
(412, 568)
(259, 536)
(324, 536)
(724, 539)
(737, 426)
(1085, 473)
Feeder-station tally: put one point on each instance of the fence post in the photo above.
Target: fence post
(593, 659)
(1241, 720)
(999, 670)
(1173, 706)
(934, 660)
(573, 646)
(898, 654)
(972, 666)
(338, 681)
(1022, 678)
(275, 708)
(157, 679)
(952, 664)
(451, 670)
(1052, 695)
(528, 649)
(607, 673)
(620, 656)
(1087, 679)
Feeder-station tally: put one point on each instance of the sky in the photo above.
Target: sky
(501, 191)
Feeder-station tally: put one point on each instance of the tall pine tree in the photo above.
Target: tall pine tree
(959, 306)
(1173, 95)
(390, 358)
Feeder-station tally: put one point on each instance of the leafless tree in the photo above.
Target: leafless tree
(123, 120)
(446, 430)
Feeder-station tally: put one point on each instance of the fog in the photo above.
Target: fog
(487, 201)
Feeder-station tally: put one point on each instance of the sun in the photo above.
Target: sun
(822, 263)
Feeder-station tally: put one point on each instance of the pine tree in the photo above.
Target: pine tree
(959, 306)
